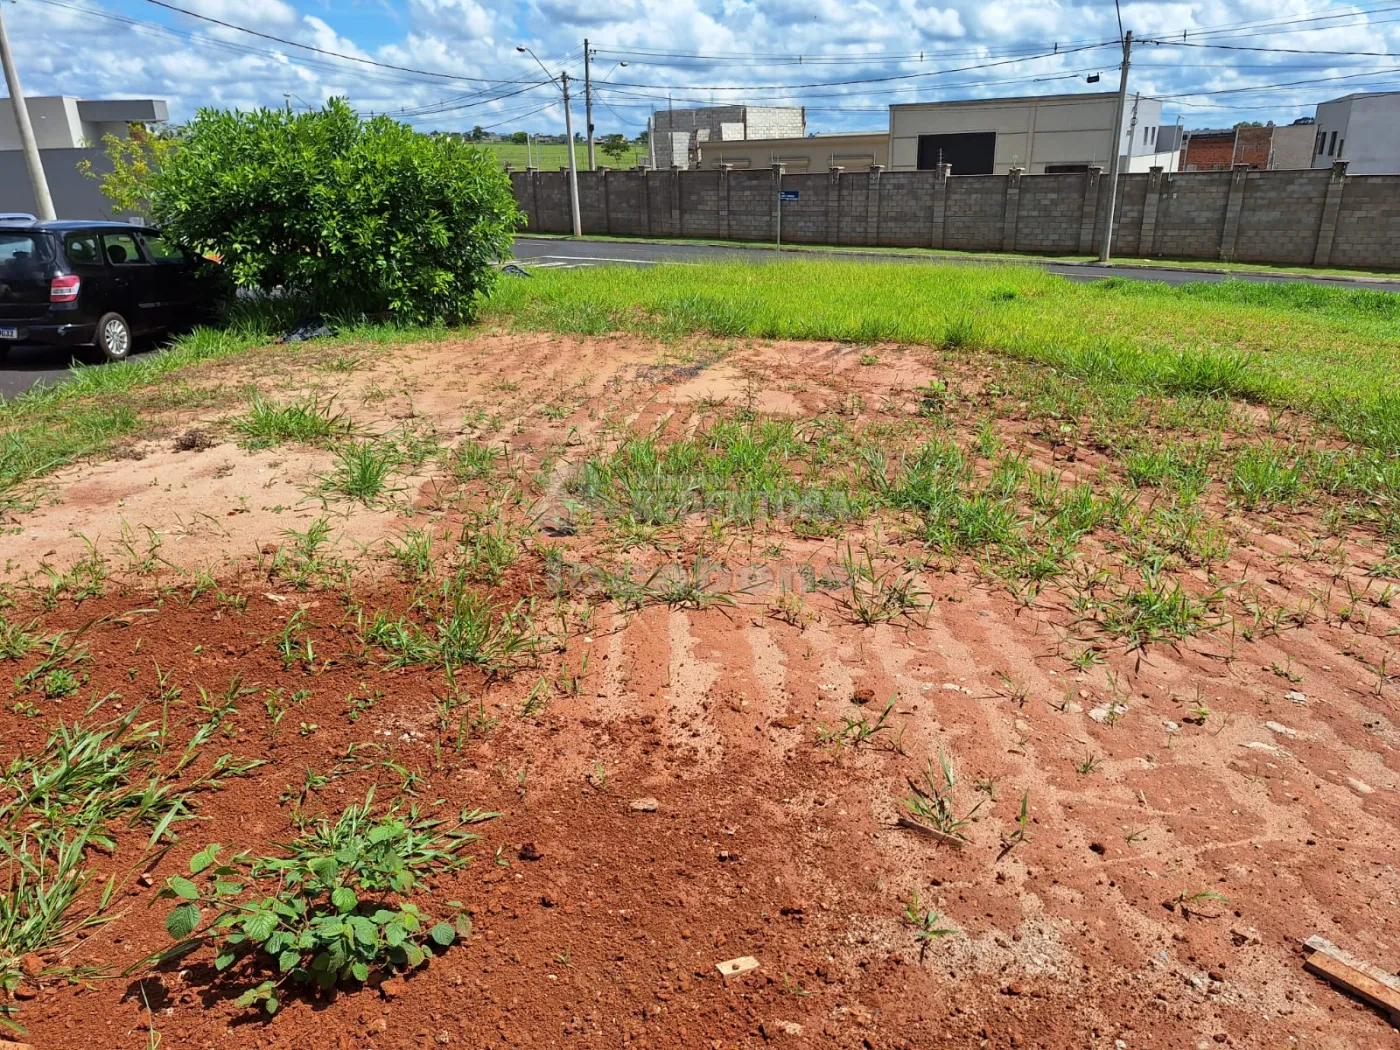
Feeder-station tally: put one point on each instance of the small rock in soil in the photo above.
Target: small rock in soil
(863, 696)
(391, 989)
(31, 965)
(529, 852)
(644, 805)
(773, 1029)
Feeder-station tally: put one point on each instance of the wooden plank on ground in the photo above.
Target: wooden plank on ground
(1362, 980)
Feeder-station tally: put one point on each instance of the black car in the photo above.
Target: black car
(94, 284)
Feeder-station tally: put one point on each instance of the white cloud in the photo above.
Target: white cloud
(839, 40)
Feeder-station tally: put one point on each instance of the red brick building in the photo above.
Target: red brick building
(1261, 148)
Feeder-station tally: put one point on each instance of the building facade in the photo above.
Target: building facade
(1042, 134)
(856, 152)
(678, 136)
(1361, 129)
(61, 122)
(69, 132)
(1260, 149)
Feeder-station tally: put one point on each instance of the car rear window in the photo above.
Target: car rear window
(83, 249)
(24, 253)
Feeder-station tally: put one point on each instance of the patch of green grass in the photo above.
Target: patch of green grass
(1329, 351)
(1265, 475)
(75, 794)
(305, 420)
(362, 472)
(551, 156)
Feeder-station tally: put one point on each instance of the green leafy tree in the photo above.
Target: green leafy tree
(359, 217)
(134, 160)
(616, 146)
(519, 138)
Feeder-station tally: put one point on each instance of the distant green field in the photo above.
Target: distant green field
(551, 157)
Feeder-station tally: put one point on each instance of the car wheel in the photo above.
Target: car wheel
(114, 337)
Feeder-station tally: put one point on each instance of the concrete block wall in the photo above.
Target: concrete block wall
(1296, 217)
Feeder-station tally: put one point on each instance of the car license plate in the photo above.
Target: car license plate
(9, 333)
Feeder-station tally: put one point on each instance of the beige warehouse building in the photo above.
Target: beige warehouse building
(855, 152)
(1038, 134)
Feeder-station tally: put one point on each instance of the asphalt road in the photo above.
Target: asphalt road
(28, 365)
(549, 252)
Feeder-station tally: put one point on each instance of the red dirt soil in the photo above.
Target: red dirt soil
(1091, 932)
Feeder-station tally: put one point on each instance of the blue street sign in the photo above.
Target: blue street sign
(787, 195)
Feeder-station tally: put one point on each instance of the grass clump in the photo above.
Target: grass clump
(330, 909)
(362, 472)
(73, 795)
(304, 420)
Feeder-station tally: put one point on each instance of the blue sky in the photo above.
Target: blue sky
(1211, 61)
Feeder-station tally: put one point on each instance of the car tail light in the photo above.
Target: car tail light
(64, 289)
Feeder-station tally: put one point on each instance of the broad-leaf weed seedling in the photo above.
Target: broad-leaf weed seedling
(330, 909)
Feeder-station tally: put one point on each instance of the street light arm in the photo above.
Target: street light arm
(527, 51)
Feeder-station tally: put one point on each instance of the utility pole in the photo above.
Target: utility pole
(588, 105)
(1106, 250)
(573, 161)
(43, 203)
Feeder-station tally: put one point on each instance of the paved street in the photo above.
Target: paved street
(29, 365)
(557, 253)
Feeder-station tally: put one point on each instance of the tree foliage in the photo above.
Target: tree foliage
(358, 216)
(134, 160)
(616, 146)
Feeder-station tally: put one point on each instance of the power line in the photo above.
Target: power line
(1257, 88)
(323, 51)
(876, 80)
(1277, 50)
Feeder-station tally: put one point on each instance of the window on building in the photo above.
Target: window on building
(970, 153)
(1321, 142)
(1341, 148)
(1332, 145)
(1154, 136)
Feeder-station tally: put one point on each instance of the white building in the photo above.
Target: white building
(1361, 129)
(61, 122)
(1038, 134)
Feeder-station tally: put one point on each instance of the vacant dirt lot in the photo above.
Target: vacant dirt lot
(740, 608)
